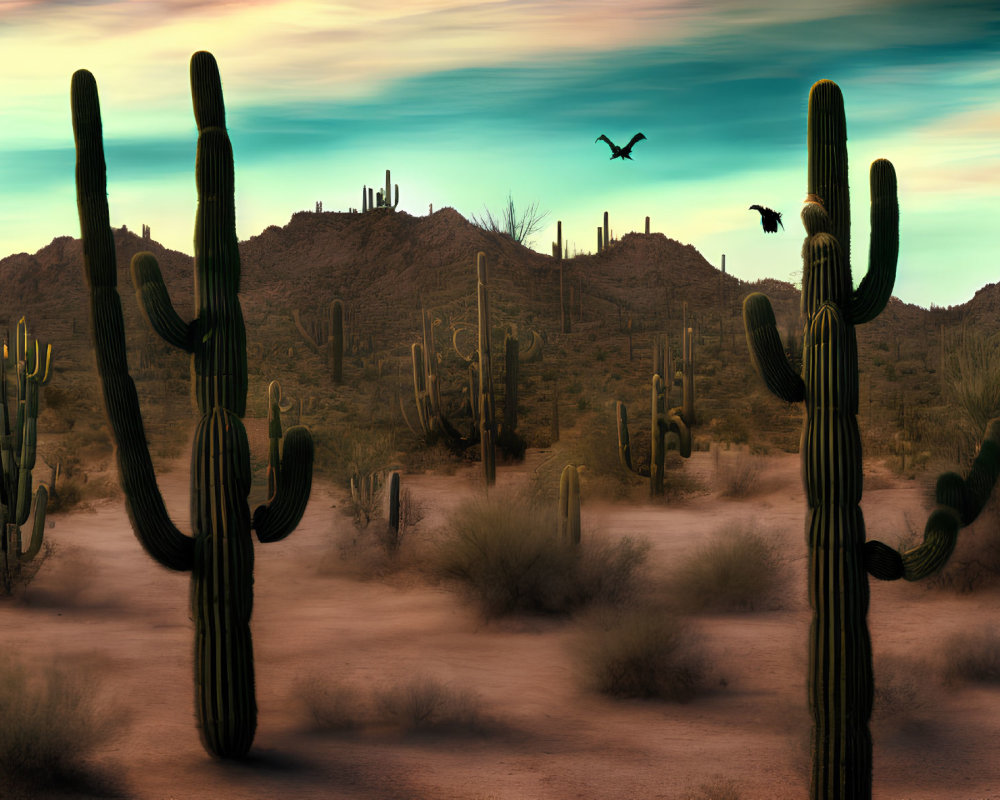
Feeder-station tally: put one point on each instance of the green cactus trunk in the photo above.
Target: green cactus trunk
(487, 415)
(220, 552)
(840, 683)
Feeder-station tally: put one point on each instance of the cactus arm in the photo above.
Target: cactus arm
(466, 355)
(624, 443)
(38, 526)
(303, 332)
(274, 520)
(959, 502)
(533, 351)
(875, 288)
(154, 300)
(766, 351)
(143, 501)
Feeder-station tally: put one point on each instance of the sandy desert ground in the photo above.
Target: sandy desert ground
(103, 604)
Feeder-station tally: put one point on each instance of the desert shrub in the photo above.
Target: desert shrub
(715, 789)
(508, 554)
(52, 723)
(737, 569)
(972, 379)
(972, 657)
(376, 550)
(420, 705)
(330, 707)
(425, 704)
(737, 474)
(637, 651)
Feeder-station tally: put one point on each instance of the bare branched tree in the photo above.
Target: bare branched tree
(518, 228)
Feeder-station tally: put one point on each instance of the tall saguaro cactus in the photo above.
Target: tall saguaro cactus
(17, 452)
(487, 412)
(220, 553)
(840, 661)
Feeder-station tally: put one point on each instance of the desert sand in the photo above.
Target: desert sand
(100, 602)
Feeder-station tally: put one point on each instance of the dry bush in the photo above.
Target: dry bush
(738, 569)
(420, 705)
(53, 722)
(637, 651)
(426, 705)
(972, 657)
(508, 554)
(376, 550)
(331, 708)
(737, 474)
(715, 789)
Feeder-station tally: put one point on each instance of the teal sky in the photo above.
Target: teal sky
(469, 100)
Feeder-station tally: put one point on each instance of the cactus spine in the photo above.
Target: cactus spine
(840, 662)
(17, 451)
(220, 553)
(670, 428)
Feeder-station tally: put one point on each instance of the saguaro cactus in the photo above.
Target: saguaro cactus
(220, 553)
(840, 662)
(569, 505)
(487, 414)
(17, 452)
(329, 338)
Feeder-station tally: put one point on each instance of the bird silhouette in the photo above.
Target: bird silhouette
(769, 219)
(621, 152)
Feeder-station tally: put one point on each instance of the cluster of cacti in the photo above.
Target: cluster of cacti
(431, 419)
(569, 505)
(840, 659)
(365, 492)
(220, 553)
(381, 199)
(670, 427)
(17, 452)
(327, 338)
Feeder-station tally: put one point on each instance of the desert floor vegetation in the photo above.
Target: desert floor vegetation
(641, 651)
(54, 720)
(739, 568)
(505, 551)
(419, 705)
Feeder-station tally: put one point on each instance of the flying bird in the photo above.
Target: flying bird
(769, 219)
(621, 152)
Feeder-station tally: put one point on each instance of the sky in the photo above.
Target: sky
(468, 102)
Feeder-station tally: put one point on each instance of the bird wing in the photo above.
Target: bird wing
(628, 148)
(602, 137)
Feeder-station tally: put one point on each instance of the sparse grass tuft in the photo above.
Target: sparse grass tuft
(738, 569)
(426, 705)
(642, 652)
(715, 789)
(737, 475)
(508, 554)
(421, 705)
(52, 724)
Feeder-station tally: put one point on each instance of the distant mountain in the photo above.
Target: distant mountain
(385, 266)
